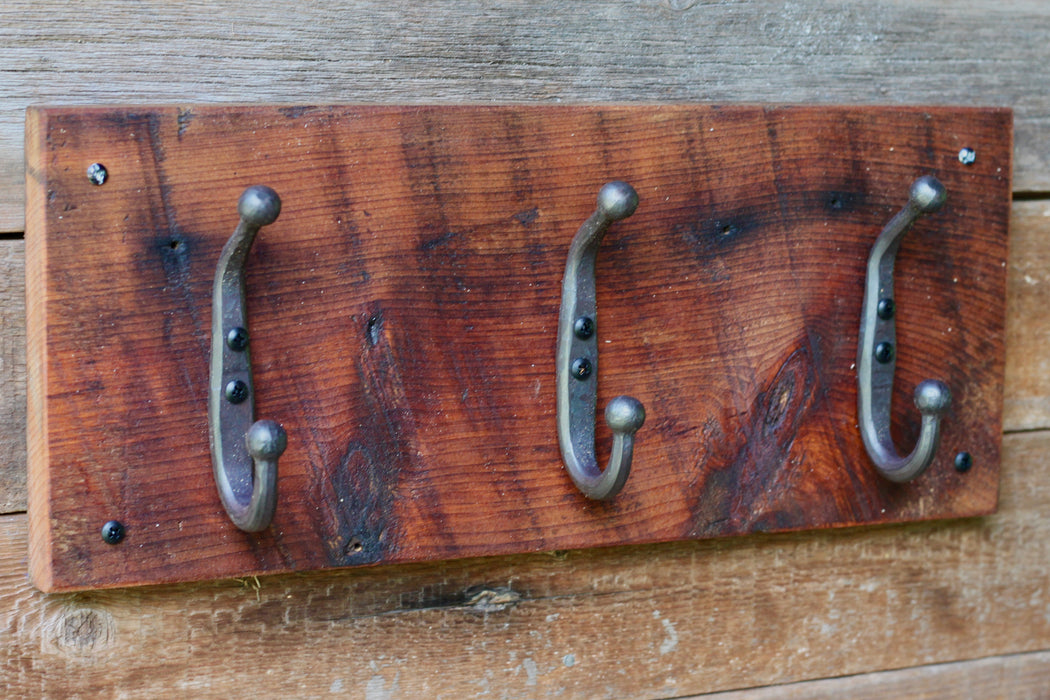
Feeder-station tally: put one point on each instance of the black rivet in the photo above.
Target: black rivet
(97, 174)
(963, 462)
(236, 391)
(885, 309)
(113, 532)
(584, 327)
(884, 352)
(237, 339)
(581, 368)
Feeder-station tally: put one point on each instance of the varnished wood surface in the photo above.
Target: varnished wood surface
(403, 317)
(1026, 387)
(818, 51)
(657, 621)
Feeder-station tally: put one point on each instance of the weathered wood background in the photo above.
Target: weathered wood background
(950, 609)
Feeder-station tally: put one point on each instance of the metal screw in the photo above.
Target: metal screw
(584, 327)
(885, 309)
(581, 368)
(237, 338)
(963, 462)
(97, 173)
(884, 352)
(113, 532)
(967, 156)
(236, 391)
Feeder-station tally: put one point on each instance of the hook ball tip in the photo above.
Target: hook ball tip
(625, 414)
(932, 397)
(928, 194)
(617, 200)
(266, 440)
(259, 205)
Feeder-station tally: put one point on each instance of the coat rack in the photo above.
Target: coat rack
(412, 349)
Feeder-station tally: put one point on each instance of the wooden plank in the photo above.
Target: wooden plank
(697, 616)
(1026, 390)
(819, 51)
(1027, 395)
(404, 317)
(1014, 677)
(12, 377)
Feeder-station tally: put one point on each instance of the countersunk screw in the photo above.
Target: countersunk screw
(236, 391)
(581, 368)
(885, 309)
(967, 156)
(584, 327)
(97, 173)
(963, 462)
(884, 352)
(237, 338)
(113, 532)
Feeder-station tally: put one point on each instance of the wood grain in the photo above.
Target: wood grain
(12, 377)
(696, 616)
(1026, 386)
(810, 51)
(1027, 381)
(819, 51)
(1014, 677)
(403, 321)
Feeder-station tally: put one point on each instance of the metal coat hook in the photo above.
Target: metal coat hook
(577, 360)
(244, 452)
(877, 351)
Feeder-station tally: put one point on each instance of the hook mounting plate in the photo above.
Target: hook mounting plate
(403, 325)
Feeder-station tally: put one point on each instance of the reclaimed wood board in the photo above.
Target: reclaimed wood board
(404, 307)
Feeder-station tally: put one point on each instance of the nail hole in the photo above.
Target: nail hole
(175, 244)
(354, 546)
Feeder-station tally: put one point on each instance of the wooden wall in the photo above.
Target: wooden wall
(935, 610)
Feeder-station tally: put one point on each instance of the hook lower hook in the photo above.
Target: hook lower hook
(244, 451)
(876, 353)
(577, 360)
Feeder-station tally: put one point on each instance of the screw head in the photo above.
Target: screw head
(885, 309)
(584, 327)
(113, 532)
(963, 462)
(967, 156)
(582, 368)
(236, 391)
(237, 338)
(97, 174)
(884, 352)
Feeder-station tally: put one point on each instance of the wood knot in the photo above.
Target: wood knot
(491, 599)
(82, 631)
